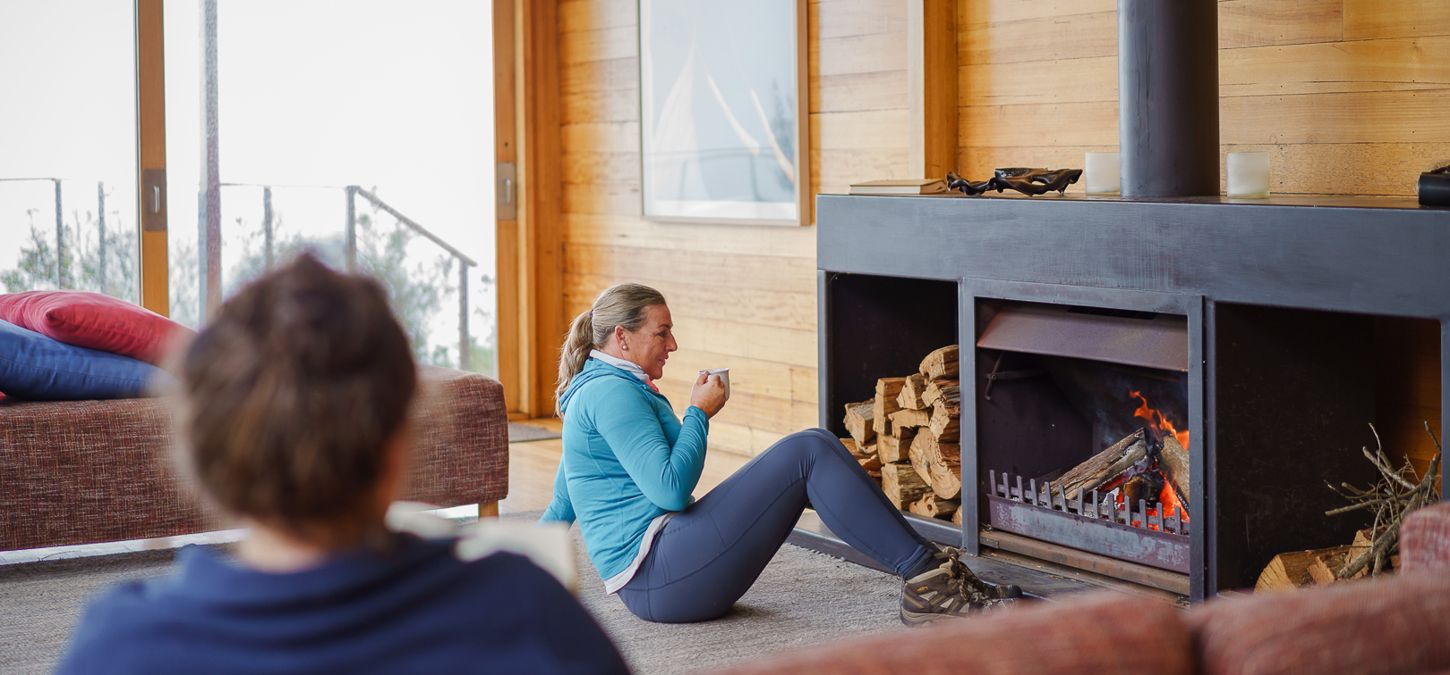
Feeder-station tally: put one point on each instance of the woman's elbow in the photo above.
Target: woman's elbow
(673, 501)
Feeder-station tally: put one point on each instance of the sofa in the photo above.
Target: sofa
(1397, 624)
(78, 472)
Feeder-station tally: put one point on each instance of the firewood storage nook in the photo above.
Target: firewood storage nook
(1159, 389)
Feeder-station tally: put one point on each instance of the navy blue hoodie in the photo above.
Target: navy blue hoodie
(417, 608)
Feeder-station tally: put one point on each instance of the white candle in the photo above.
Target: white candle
(1248, 175)
(1101, 173)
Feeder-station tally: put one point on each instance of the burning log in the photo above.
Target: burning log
(942, 362)
(933, 506)
(939, 389)
(911, 393)
(887, 388)
(1102, 467)
(909, 418)
(1173, 462)
(902, 485)
(942, 470)
(1145, 486)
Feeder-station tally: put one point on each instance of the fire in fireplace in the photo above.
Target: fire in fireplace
(1082, 430)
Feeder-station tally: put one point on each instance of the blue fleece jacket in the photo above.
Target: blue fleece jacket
(416, 608)
(627, 460)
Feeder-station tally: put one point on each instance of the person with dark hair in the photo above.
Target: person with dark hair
(293, 418)
(630, 467)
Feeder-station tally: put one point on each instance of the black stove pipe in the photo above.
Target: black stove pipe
(1168, 97)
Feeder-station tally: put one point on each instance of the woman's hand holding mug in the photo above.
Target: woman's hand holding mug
(712, 389)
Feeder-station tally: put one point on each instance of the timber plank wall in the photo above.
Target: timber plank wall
(1348, 97)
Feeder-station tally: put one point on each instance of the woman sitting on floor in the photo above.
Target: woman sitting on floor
(629, 468)
(293, 418)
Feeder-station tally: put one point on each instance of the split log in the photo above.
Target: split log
(957, 517)
(911, 393)
(1291, 570)
(939, 389)
(903, 419)
(1102, 467)
(902, 485)
(856, 449)
(1325, 569)
(1173, 460)
(872, 466)
(893, 448)
(944, 423)
(933, 506)
(946, 450)
(943, 473)
(859, 422)
(940, 363)
(887, 389)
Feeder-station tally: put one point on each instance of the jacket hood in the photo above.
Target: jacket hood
(593, 370)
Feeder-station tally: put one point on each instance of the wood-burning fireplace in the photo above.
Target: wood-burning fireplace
(1284, 314)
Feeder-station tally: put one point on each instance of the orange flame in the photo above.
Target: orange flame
(1158, 422)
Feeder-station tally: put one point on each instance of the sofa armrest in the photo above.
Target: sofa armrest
(1105, 633)
(1425, 539)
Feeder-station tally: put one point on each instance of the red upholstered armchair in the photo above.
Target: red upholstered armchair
(91, 471)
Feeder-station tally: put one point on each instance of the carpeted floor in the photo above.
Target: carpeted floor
(523, 433)
(802, 598)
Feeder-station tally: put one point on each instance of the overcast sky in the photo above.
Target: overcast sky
(396, 95)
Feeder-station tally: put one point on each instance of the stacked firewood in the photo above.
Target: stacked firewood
(908, 437)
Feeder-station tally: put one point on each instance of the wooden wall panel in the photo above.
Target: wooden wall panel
(1349, 97)
(742, 296)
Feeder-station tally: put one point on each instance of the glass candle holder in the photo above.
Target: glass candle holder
(1248, 175)
(1101, 173)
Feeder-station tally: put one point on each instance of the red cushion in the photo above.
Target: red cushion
(94, 321)
(1106, 633)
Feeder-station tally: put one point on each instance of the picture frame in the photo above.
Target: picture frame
(723, 111)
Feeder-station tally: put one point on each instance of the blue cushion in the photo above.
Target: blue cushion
(39, 368)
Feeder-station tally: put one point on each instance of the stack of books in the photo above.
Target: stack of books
(900, 186)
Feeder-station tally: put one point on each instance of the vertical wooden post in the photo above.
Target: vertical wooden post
(151, 154)
(931, 65)
(507, 250)
(542, 279)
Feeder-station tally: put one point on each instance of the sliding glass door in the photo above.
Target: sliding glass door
(360, 131)
(68, 147)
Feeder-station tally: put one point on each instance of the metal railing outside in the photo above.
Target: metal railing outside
(352, 193)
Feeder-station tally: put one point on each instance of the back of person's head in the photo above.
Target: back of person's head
(292, 399)
(619, 305)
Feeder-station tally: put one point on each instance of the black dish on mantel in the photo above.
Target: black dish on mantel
(1030, 182)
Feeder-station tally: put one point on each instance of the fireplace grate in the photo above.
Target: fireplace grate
(1089, 523)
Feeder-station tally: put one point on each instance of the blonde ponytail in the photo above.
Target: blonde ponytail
(621, 305)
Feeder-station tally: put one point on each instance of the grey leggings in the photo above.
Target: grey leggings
(707, 556)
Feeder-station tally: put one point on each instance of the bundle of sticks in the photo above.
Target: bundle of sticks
(1390, 499)
(908, 436)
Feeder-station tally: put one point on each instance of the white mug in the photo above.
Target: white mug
(724, 374)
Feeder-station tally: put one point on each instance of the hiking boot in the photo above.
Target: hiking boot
(943, 591)
(988, 589)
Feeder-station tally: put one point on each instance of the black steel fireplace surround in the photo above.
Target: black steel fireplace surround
(1272, 305)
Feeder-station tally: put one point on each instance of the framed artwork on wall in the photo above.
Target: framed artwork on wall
(723, 111)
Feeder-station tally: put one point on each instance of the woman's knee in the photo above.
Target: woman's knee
(810, 443)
